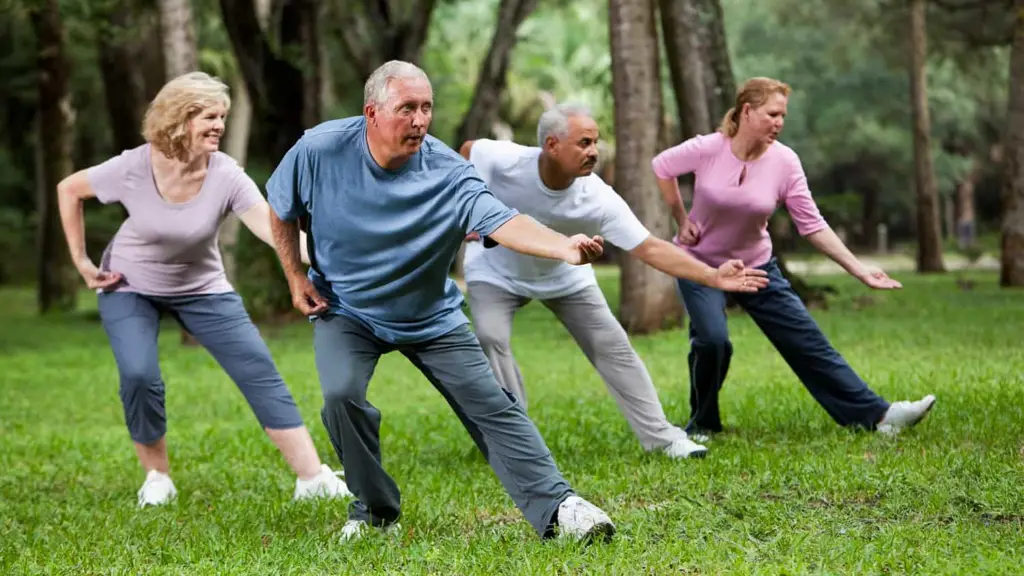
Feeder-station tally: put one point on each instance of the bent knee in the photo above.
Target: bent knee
(343, 392)
(717, 339)
(492, 337)
(136, 377)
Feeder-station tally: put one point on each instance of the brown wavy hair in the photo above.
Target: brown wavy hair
(756, 92)
(166, 124)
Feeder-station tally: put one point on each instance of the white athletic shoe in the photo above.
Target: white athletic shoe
(580, 520)
(904, 414)
(355, 529)
(326, 484)
(158, 489)
(685, 448)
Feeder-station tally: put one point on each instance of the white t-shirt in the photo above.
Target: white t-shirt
(588, 206)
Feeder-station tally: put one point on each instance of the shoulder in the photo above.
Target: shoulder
(711, 142)
(329, 135)
(500, 151)
(226, 166)
(786, 156)
(130, 163)
(437, 155)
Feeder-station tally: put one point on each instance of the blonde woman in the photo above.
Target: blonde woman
(742, 175)
(164, 259)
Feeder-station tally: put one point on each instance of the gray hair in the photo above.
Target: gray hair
(375, 91)
(555, 121)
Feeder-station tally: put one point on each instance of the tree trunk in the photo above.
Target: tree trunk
(122, 84)
(490, 84)
(680, 22)
(277, 85)
(929, 237)
(177, 30)
(57, 285)
(648, 300)
(1012, 257)
(375, 31)
(483, 109)
(236, 145)
(720, 84)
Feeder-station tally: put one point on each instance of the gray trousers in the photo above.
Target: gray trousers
(221, 324)
(346, 355)
(587, 317)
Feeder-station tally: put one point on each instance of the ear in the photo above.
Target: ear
(370, 111)
(549, 143)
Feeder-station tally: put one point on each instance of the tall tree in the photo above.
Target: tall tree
(123, 86)
(280, 66)
(236, 145)
(1012, 258)
(648, 299)
(491, 81)
(681, 23)
(720, 83)
(376, 31)
(483, 108)
(178, 32)
(56, 287)
(929, 233)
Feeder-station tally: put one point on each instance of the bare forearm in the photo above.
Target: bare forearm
(672, 260)
(670, 194)
(286, 244)
(72, 219)
(829, 244)
(525, 235)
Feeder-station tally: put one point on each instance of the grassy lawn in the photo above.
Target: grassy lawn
(787, 491)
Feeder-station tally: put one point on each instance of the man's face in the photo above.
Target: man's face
(402, 121)
(576, 154)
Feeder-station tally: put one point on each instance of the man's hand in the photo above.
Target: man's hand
(875, 278)
(94, 277)
(305, 296)
(472, 237)
(584, 249)
(733, 276)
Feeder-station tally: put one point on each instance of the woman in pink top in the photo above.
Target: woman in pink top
(177, 189)
(742, 174)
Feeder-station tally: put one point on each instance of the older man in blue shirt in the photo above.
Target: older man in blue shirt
(387, 207)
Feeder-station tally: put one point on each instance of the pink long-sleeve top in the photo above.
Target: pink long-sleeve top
(733, 217)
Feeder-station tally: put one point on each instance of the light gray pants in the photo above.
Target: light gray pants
(590, 321)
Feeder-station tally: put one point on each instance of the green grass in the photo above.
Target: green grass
(787, 491)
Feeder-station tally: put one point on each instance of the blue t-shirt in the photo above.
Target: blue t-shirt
(384, 240)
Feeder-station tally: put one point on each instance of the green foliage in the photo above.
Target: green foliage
(785, 491)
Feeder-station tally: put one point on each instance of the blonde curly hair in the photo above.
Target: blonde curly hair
(166, 124)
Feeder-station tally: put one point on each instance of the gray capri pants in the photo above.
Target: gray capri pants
(221, 325)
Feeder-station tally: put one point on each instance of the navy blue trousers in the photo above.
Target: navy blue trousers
(784, 319)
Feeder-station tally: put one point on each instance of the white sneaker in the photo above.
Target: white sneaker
(326, 484)
(581, 520)
(685, 448)
(904, 414)
(156, 490)
(355, 529)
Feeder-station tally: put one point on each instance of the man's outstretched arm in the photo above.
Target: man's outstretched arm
(527, 236)
(666, 257)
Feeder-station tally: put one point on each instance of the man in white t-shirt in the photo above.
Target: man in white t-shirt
(555, 185)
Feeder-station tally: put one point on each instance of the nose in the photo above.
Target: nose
(420, 118)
